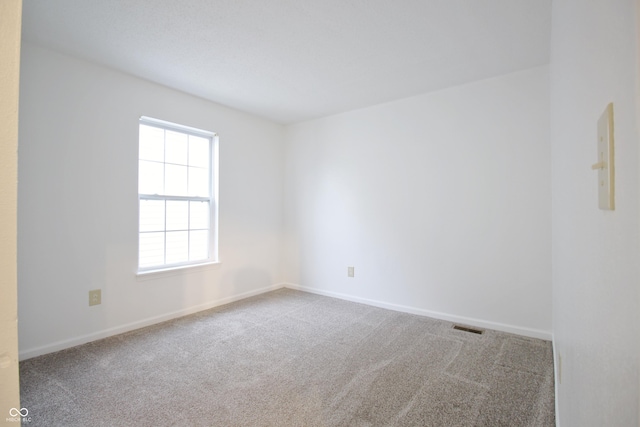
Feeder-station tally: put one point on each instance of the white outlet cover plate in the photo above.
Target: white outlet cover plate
(606, 155)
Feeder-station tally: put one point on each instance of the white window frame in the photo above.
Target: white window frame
(212, 199)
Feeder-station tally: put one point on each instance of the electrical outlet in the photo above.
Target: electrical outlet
(605, 165)
(351, 272)
(95, 297)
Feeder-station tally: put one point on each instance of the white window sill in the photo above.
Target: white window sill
(176, 271)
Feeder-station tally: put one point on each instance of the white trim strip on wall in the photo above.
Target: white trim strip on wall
(527, 332)
(105, 333)
(61, 345)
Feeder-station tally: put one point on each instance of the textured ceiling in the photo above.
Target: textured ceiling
(293, 60)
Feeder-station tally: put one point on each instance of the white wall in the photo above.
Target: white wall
(595, 252)
(10, 23)
(440, 201)
(78, 202)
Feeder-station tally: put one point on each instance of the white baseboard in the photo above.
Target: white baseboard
(557, 371)
(72, 342)
(527, 332)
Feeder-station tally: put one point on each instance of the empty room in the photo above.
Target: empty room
(320, 213)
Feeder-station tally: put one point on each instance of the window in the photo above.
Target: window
(176, 190)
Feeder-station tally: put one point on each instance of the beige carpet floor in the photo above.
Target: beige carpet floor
(290, 358)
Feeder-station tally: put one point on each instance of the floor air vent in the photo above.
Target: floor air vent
(468, 329)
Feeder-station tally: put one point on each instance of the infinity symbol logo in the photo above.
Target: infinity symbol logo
(15, 412)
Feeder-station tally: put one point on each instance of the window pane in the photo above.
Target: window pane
(175, 180)
(174, 169)
(150, 177)
(199, 182)
(176, 148)
(177, 215)
(151, 215)
(151, 249)
(177, 246)
(198, 245)
(199, 215)
(199, 151)
(151, 143)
